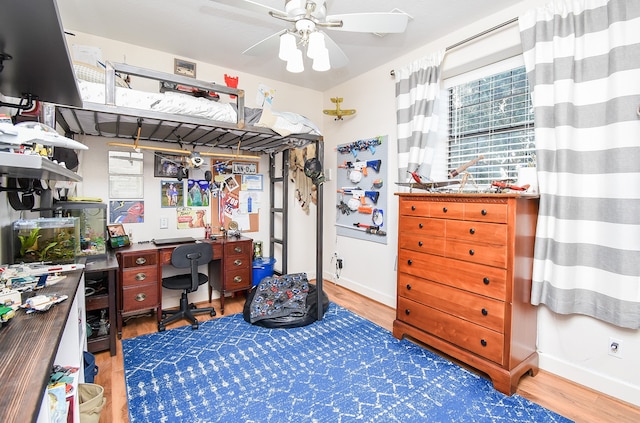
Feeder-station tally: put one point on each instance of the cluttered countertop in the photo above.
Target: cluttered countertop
(28, 346)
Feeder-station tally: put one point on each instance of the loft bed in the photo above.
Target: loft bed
(111, 109)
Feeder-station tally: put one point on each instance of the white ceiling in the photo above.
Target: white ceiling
(214, 33)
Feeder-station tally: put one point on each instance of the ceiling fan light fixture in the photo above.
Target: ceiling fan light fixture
(295, 63)
(321, 62)
(316, 44)
(287, 46)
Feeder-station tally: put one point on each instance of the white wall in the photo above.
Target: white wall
(574, 347)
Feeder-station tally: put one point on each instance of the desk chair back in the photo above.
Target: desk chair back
(192, 256)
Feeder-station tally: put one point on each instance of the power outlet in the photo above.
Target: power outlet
(164, 223)
(615, 347)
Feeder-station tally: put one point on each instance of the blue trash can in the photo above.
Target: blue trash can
(262, 268)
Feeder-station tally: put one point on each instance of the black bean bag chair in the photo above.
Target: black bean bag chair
(304, 315)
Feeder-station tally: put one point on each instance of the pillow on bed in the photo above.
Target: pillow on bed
(95, 74)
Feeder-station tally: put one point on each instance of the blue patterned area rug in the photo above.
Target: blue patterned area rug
(341, 369)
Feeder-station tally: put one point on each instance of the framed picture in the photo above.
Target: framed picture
(184, 68)
(117, 236)
(166, 165)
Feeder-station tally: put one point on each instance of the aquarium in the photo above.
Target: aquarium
(92, 218)
(52, 240)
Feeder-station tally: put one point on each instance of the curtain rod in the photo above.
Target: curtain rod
(474, 37)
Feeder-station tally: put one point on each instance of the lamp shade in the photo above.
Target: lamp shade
(316, 44)
(287, 46)
(321, 62)
(295, 63)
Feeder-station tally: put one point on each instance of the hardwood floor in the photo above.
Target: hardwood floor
(560, 395)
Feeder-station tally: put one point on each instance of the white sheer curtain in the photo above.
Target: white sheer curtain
(583, 62)
(417, 89)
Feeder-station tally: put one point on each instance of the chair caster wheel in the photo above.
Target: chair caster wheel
(161, 327)
(213, 313)
(194, 326)
(164, 316)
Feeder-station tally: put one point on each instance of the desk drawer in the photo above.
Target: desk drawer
(142, 259)
(140, 297)
(239, 248)
(139, 276)
(236, 262)
(237, 279)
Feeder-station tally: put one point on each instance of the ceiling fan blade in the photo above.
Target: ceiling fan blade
(249, 5)
(384, 23)
(337, 58)
(268, 45)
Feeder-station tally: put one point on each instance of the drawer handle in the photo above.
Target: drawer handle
(419, 243)
(140, 261)
(413, 208)
(237, 249)
(472, 231)
(484, 312)
(141, 297)
(237, 279)
(420, 225)
(408, 287)
(484, 212)
(483, 342)
(407, 311)
(409, 262)
(141, 276)
(444, 210)
(471, 252)
(237, 262)
(485, 281)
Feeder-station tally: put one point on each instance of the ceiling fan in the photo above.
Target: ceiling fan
(309, 18)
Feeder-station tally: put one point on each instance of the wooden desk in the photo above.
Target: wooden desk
(140, 274)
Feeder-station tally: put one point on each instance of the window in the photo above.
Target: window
(491, 116)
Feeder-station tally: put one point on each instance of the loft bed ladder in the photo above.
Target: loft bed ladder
(279, 210)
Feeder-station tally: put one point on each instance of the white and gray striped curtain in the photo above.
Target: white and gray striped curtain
(417, 89)
(583, 62)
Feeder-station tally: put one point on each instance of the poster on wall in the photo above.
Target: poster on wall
(361, 189)
(189, 218)
(171, 193)
(198, 193)
(121, 211)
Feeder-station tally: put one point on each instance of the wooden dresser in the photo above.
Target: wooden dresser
(464, 280)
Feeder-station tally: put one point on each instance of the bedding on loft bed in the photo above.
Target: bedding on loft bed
(111, 109)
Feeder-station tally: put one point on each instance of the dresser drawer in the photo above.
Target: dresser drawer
(137, 260)
(237, 279)
(140, 297)
(422, 225)
(486, 212)
(464, 334)
(446, 210)
(422, 244)
(140, 275)
(483, 311)
(488, 233)
(484, 280)
(413, 208)
(491, 255)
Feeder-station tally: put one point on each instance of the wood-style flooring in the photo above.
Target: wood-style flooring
(560, 395)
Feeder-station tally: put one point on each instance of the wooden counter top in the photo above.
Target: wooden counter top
(28, 346)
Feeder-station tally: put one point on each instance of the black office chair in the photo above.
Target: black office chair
(191, 256)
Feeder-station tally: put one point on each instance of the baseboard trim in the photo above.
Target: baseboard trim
(366, 291)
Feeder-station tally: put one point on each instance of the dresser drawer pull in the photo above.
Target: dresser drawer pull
(237, 279)
(484, 212)
(484, 312)
(444, 210)
(409, 262)
(140, 261)
(237, 249)
(237, 262)
(407, 311)
(419, 243)
(420, 225)
(141, 276)
(471, 252)
(413, 208)
(141, 297)
(472, 231)
(408, 287)
(485, 281)
(483, 342)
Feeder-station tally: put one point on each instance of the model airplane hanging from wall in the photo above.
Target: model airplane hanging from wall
(338, 112)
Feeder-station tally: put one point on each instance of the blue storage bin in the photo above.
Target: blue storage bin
(90, 368)
(262, 268)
